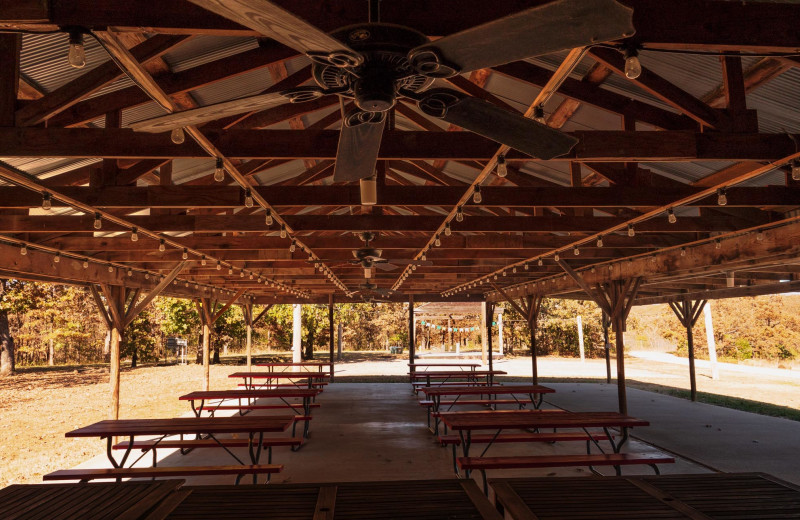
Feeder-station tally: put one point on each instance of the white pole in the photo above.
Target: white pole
(580, 338)
(712, 346)
(297, 321)
(484, 344)
(500, 334)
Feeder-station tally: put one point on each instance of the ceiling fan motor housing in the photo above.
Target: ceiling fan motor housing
(385, 68)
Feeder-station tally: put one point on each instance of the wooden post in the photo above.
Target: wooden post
(500, 343)
(330, 332)
(580, 339)
(247, 311)
(489, 320)
(712, 345)
(484, 352)
(339, 342)
(10, 45)
(297, 344)
(411, 342)
(688, 314)
(606, 319)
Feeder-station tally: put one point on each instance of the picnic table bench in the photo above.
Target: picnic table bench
(160, 429)
(697, 496)
(453, 378)
(302, 364)
(312, 379)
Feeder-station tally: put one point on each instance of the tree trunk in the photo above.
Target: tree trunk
(6, 346)
(106, 347)
(51, 353)
(134, 358)
(216, 361)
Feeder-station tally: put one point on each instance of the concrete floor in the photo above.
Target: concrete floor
(378, 431)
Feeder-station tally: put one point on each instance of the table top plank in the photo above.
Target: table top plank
(281, 375)
(488, 390)
(186, 425)
(505, 419)
(276, 393)
(457, 373)
(444, 364)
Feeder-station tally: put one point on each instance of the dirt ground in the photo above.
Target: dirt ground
(37, 407)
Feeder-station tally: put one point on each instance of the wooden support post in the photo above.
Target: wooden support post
(606, 322)
(411, 342)
(500, 342)
(297, 330)
(688, 313)
(247, 312)
(339, 342)
(330, 333)
(10, 45)
(205, 308)
(489, 321)
(484, 343)
(712, 346)
(534, 305)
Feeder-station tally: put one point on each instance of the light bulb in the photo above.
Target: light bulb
(185, 254)
(248, 198)
(57, 258)
(219, 170)
(514, 271)
(576, 251)
(177, 135)
(633, 67)
(97, 222)
(504, 273)
(476, 196)
(241, 273)
(631, 231)
(130, 272)
(671, 216)
(203, 260)
(292, 247)
(162, 245)
(437, 242)
(502, 169)
(556, 257)
(722, 197)
(47, 202)
(424, 257)
(23, 250)
(110, 268)
(269, 219)
(251, 276)
(447, 230)
(538, 115)
(796, 170)
(526, 267)
(86, 264)
(460, 214)
(146, 276)
(759, 236)
(77, 54)
(600, 241)
(283, 231)
(230, 270)
(717, 244)
(540, 263)
(683, 251)
(134, 235)
(219, 265)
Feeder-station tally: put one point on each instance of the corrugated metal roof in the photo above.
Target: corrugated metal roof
(43, 59)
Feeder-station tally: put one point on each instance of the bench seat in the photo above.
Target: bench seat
(559, 461)
(207, 443)
(211, 408)
(429, 403)
(85, 475)
(485, 438)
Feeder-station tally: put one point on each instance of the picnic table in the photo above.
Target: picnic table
(249, 397)
(700, 496)
(434, 394)
(450, 377)
(157, 430)
(270, 378)
(469, 366)
(288, 364)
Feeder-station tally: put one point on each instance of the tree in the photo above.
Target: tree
(6, 340)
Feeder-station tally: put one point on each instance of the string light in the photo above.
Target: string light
(110, 268)
(219, 170)
(477, 198)
(134, 235)
(23, 250)
(540, 263)
(47, 202)
(86, 264)
(437, 242)
(600, 241)
(292, 247)
(230, 270)
(219, 265)
(633, 67)
(671, 218)
(759, 235)
(631, 231)
(447, 230)
(162, 246)
(460, 214)
(576, 251)
(683, 251)
(241, 273)
(57, 258)
(717, 244)
(130, 272)
(556, 257)
(248, 198)
(526, 266)
(538, 114)
(796, 170)
(185, 254)
(269, 219)
(283, 230)
(502, 169)
(722, 197)
(177, 135)
(98, 223)
(76, 56)
(203, 260)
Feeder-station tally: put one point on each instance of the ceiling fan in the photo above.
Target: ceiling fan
(375, 63)
(370, 258)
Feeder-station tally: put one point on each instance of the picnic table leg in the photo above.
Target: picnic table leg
(466, 440)
(109, 453)
(197, 411)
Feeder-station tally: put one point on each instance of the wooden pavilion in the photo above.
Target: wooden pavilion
(681, 183)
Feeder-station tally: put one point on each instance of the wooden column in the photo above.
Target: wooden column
(411, 342)
(247, 312)
(10, 45)
(489, 320)
(688, 312)
(330, 332)
(606, 319)
(484, 353)
(529, 308)
(205, 307)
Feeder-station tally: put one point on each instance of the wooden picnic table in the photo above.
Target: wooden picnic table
(471, 366)
(699, 496)
(268, 378)
(396, 500)
(447, 377)
(161, 428)
(250, 396)
(133, 500)
(287, 364)
(534, 392)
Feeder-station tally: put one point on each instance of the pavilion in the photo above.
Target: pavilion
(679, 181)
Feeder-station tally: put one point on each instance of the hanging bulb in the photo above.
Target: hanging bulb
(219, 265)
(476, 195)
(717, 244)
(526, 267)
(129, 272)
(203, 260)
(540, 263)
(538, 115)
(241, 273)
(437, 242)
(283, 230)
(47, 202)
(683, 251)
(248, 198)
(502, 169)
(576, 251)
(292, 247)
(219, 170)
(162, 245)
(722, 197)
(671, 216)
(633, 67)
(796, 170)
(447, 230)
(600, 241)
(556, 257)
(504, 273)
(514, 270)
(251, 275)
(269, 220)
(631, 231)
(57, 258)
(86, 265)
(98, 223)
(134, 235)
(110, 268)
(759, 235)
(424, 257)
(146, 276)
(23, 250)
(177, 135)
(76, 54)
(460, 214)
(185, 254)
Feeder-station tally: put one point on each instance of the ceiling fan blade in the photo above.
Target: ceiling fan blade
(359, 144)
(559, 25)
(279, 24)
(386, 266)
(207, 113)
(498, 124)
